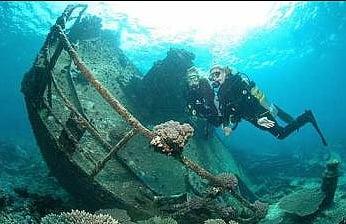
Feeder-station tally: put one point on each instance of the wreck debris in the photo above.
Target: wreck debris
(177, 138)
(113, 102)
(44, 94)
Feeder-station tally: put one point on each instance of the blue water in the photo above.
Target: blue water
(299, 62)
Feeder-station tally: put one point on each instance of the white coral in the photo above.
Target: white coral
(78, 217)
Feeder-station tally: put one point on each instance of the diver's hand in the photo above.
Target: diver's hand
(265, 122)
(227, 131)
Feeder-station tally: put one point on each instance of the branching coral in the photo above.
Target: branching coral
(228, 181)
(260, 209)
(171, 134)
(78, 217)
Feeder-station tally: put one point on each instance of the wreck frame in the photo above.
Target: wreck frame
(60, 123)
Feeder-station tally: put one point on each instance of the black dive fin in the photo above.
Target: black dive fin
(314, 123)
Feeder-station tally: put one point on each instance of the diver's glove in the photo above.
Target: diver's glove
(227, 130)
(265, 122)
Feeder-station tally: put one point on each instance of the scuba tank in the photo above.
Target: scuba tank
(259, 95)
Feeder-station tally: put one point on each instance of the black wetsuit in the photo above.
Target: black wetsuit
(201, 100)
(236, 100)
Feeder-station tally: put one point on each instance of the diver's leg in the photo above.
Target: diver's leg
(306, 117)
(276, 130)
(283, 115)
(314, 123)
(282, 132)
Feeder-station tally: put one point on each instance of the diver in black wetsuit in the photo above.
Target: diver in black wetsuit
(200, 102)
(239, 98)
(200, 98)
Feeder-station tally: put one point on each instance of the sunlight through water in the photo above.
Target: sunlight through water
(222, 24)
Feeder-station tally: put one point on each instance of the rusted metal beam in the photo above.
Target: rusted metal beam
(101, 164)
(111, 100)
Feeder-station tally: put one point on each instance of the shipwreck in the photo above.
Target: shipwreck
(105, 131)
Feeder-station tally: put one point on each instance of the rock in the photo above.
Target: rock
(303, 202)
(161, 91)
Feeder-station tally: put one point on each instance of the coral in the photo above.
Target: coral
(214, 221)
(158, 220)
(260, 208)
(230, 181)
(172, 133)
(232, 222)
(78, 217)
(303, 202)
(16, 218)
(4, 199)
(55, 219)
(219, 221)
(37, 204)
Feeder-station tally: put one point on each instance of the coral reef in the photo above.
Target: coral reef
(118, 214)
(261, 209)
(26, 207)
(214, 221)
(78, 217)
(172, 133)
(40, 205)
(198, 209)
(158, 220)
(16, 217)
(230, 180)
(4, 199)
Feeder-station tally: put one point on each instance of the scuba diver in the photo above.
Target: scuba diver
(200, 102)
(239, 98)
(201, 98)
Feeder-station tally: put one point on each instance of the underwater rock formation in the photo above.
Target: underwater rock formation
(161, 92)
(330, 182)
(306, 202)
(303, 202)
